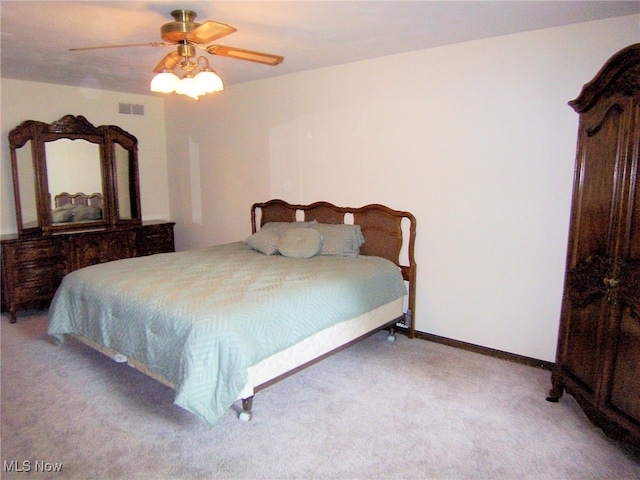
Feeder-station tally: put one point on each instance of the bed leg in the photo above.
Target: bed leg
(119, 358)
(391, 337)
(246, 413)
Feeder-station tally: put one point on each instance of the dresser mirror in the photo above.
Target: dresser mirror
(124, 173)
(73, 166)
(72, 176)
(24, 178)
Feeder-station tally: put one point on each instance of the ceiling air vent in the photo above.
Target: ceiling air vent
(130, 109)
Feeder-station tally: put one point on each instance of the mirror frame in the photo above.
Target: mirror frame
(76, 128)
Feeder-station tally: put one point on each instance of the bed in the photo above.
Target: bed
(221, 323)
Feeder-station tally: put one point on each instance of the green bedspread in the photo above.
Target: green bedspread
(200, 318)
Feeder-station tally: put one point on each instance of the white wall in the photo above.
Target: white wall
(476, 139)
(47, 103)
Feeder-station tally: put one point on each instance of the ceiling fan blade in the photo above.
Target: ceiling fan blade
(169, 62)
(152, 44)
(209, 31)
(242, 54)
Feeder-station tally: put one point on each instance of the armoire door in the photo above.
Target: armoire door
(594, 248)
(621, 393)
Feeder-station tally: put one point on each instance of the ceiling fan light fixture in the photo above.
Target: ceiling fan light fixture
(208, 81)
(165, 82)
(193, 84)
(188, 36)
(188, 87)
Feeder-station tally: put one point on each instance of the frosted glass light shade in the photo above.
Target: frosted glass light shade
(165, 82)
(188, 87)
(208, 81)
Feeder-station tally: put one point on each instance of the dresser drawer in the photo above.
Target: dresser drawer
(156, 236)
(35, 294)
(33, 251)
(154, 239)
(39, 274)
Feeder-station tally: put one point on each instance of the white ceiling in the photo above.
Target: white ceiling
(36, 36)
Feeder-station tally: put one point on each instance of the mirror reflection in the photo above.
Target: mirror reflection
(74, 181)
(123, 181)
(27, 187)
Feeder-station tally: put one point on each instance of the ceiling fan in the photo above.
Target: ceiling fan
(187, 37)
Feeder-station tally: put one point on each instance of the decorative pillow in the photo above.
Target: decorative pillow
(61, 215)
(299, 243)
(339, 239)
(94, 213)
(85, 212)
(266, 239)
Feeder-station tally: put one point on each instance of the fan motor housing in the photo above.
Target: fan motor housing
(178, 30)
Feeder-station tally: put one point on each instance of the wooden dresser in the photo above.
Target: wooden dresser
(33, 266)
(598, 357)
(77, 199)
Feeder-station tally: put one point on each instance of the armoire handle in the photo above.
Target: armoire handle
(611, 282)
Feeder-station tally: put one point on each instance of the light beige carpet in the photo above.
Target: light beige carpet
(379, 410)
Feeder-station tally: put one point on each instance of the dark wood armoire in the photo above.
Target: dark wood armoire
(598, 356)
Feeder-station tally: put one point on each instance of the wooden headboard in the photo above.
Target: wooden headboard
(92, 200)
(381, 227)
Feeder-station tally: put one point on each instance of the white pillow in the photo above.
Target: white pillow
(299, 243)
(340, 239)
(265, 239)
